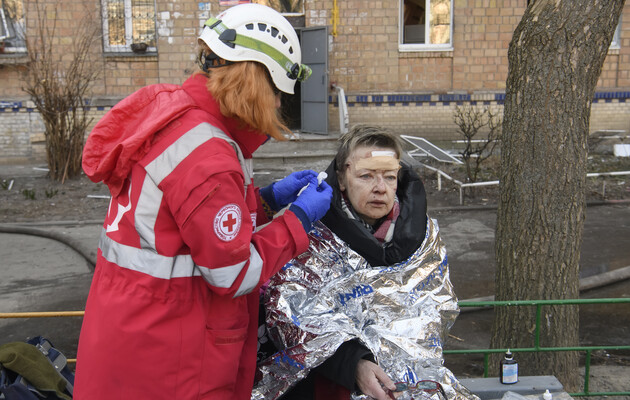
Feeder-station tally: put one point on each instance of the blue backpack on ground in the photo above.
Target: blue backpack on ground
(34, 370)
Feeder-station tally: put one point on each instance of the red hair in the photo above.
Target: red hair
(244, 91)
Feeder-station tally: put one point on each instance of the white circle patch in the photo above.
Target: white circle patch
(227, 222)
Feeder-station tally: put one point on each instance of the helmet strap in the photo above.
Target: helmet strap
(210, 61)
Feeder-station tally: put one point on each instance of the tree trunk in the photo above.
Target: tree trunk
(555, 59)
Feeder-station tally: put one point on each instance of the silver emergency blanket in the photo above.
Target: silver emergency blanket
(330, 294)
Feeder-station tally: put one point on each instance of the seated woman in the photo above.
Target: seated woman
(371, 300)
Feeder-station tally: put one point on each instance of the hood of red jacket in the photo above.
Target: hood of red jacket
(124, 135)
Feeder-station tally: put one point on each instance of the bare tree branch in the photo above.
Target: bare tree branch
(57, 80)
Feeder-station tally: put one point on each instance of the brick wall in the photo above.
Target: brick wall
(364, 55)
(364, 60)
(22, 137)
(431, 116)
(18, 135)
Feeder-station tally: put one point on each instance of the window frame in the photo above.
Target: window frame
(409, 47)
(615, 43)
(18, 27)
(5, 26)
(126, 48)
(273, 5)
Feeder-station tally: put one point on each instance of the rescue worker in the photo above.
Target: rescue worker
(187, 241)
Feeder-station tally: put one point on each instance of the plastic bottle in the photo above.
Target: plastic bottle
(509, 369)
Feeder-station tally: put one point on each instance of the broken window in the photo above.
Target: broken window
(426, 24)
(616, 42)
(12, 38)
(284, 6)
(129, 25)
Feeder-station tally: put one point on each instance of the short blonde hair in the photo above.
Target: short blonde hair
(365, 135)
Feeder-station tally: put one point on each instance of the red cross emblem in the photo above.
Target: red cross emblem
(227, 222)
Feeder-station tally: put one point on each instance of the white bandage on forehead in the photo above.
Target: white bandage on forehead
(380, 160)
(379, 153)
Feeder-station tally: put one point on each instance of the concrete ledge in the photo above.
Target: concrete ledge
(491, 388)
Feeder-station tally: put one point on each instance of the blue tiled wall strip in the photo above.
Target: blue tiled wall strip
(10, 105)
(15, 106)
(432, 100)
(390, 100)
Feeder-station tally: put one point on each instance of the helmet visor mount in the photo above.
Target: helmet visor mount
(294, 71)
(300, 72)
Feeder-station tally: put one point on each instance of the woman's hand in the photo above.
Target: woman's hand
(373, 381)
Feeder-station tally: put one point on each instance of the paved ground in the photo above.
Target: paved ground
(42, 274)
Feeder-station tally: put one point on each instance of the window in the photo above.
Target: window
(291, 7)
(12, 27)
(616, 42)
(129, 25)
(426, 25)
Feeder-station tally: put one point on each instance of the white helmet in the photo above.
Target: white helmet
(254, 32)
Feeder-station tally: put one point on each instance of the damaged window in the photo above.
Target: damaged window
(129, 25)
(616, 42)
(292, 7)
(426, 25)
(12, 39)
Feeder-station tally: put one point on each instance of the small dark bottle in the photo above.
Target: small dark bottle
(509, 369)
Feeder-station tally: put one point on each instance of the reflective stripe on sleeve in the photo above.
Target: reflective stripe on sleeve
(252, 276)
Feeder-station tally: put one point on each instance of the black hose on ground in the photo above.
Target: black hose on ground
(88, 255)
(588, 283)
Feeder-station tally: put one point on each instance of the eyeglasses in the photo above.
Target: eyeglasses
(424, 385)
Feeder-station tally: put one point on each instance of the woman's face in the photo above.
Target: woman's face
(369, 181)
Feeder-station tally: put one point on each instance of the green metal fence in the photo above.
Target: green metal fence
(486, 352)
(537, 346)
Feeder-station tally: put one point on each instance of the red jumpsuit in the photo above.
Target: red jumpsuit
(173, 308)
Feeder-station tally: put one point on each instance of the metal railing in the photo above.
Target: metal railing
(486, 352)
(45, 314)
(462, 185)
(537, 346)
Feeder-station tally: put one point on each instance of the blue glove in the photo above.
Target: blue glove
(313, 203)
(283, 192)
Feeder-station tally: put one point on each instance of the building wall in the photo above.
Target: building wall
(364, 55)
(22, 129)
(416, 92)
(411, 92)
(431, 116)
(22, 132)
